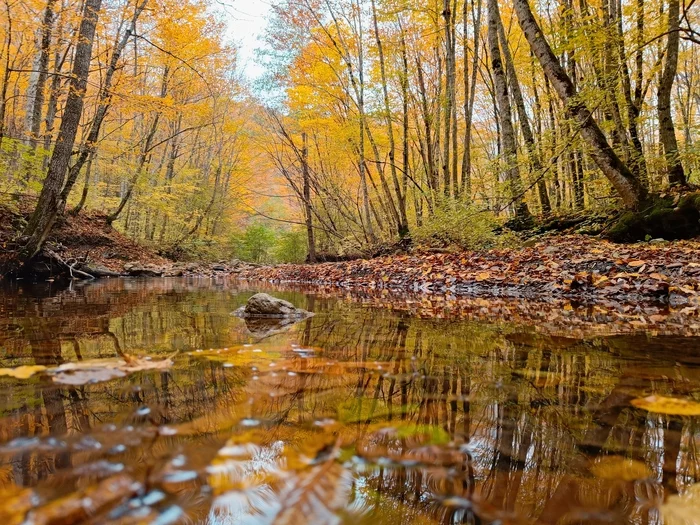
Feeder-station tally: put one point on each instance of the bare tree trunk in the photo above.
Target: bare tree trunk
(449, 95)
(86, 186)
(507, 133)
(528, 137)
(54, 89)
(143, 157)
(469, 94)
(307, 200)
(431, 172)
(667, 131)
(637, 161)
(46, 210)
(625, 183)
(6, 74)
(400, 198)
(404, 101)
(38, 102)
(105, 99)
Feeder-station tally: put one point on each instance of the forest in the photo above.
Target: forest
(404, 262)
(375, 123)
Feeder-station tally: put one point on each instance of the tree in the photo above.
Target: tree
(667, 131)
(510, 150)
(47, 207)
(625, 183)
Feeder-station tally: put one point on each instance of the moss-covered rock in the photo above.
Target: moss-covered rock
(669, 217)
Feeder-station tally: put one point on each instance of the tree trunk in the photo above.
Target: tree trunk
(46, 210)
(307, 200)
(469, 94)
(38, 102)
(637, 161)
(144, 155)
(507, 133)
(86, 187)
(105, 98)
(528, 137)
(449, 95)
(667, 131)
(6, 73)
(625, 183)
(400, 198)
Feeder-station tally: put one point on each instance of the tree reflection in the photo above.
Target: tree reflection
(439, 420)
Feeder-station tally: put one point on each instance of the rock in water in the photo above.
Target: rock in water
(264, 305)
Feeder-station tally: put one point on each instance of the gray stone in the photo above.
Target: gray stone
(264, 305)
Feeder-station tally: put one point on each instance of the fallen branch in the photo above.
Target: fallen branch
(73, 271)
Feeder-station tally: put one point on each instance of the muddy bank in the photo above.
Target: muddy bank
(575, 267)
(85, 247)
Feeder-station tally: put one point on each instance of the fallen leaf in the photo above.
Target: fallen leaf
(84, 376)
(636, 264)
(315, 495)
(98, 370)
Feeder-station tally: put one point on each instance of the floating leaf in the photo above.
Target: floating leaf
(22, 372)
(618, 467)
(668, 405)
(315, 495)
(84, 376)
(98, 370)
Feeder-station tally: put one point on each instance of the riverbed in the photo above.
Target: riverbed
(371, 411)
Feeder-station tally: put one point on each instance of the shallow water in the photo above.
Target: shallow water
(359, 414)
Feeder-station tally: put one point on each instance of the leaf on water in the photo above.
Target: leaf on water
(618, 467)
(137, 364)
(315, 495)
(683, 509)
(668, 405)
(22, 372)
(97, 370)
(83, 376)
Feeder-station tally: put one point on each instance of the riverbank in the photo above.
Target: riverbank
(574, 267)
(577, 267)
(84, 246)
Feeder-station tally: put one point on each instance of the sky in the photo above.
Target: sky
(246, 21)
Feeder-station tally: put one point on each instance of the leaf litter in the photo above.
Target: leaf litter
(571, 266)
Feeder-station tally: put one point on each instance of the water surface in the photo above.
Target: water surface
(360, 414)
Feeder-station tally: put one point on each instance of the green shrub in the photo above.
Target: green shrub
(291, 247)
(460, 225)
(255, 244)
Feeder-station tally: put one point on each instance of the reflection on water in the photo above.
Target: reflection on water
(356, 415)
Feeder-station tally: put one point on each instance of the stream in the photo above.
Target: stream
(359, 414)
